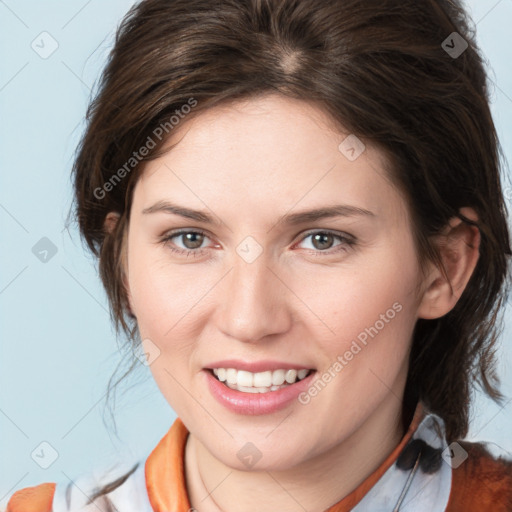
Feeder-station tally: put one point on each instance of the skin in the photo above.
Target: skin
(248, 164)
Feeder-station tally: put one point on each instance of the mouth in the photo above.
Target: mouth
(257, 387)
(261, 382)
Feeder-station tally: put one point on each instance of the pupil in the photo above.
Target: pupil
(320, 236)
(189, 237)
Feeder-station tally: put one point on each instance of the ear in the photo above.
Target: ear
(459, 250)
(109, 224)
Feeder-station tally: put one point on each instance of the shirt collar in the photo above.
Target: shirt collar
(428, 489)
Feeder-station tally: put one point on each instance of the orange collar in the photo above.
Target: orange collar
(165, 470)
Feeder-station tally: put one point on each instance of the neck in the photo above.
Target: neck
(314, 485)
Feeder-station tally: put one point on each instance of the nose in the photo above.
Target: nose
(253, 302)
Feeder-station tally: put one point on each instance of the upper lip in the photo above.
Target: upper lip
(256, 366)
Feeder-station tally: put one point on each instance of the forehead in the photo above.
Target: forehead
(266, 154)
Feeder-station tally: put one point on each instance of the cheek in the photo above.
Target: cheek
(375, 332)
(163, 299)
(378, 292)
(162, 294)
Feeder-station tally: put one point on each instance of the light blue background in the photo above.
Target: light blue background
(58, 347)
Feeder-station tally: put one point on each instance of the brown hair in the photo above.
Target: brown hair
(380, 69)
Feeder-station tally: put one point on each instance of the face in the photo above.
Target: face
(251, 293)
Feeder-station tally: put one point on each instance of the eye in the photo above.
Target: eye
(323, 240)
(192, 241)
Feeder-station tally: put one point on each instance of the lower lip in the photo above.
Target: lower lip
(256, 403)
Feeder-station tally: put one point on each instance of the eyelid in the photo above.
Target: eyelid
(166, 237)
(340, 234)
(348, 240)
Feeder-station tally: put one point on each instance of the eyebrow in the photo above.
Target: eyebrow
(302, 217)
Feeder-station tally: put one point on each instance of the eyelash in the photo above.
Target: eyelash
(347, 241)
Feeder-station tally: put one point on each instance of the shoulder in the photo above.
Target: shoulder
(482, 481)
(120, 489)
(32, 499)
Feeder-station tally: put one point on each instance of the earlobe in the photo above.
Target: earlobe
(459, 246)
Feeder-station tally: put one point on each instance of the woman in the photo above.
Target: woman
(298, 215)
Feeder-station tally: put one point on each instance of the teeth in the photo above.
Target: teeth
(247, 389)
(300, 374)
(231, 375)
(278, 377)
(244, 379)
(261, 382)
(291, 376)
(262, 379)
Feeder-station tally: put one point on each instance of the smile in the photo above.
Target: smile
(255, 388)
(261, 382)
